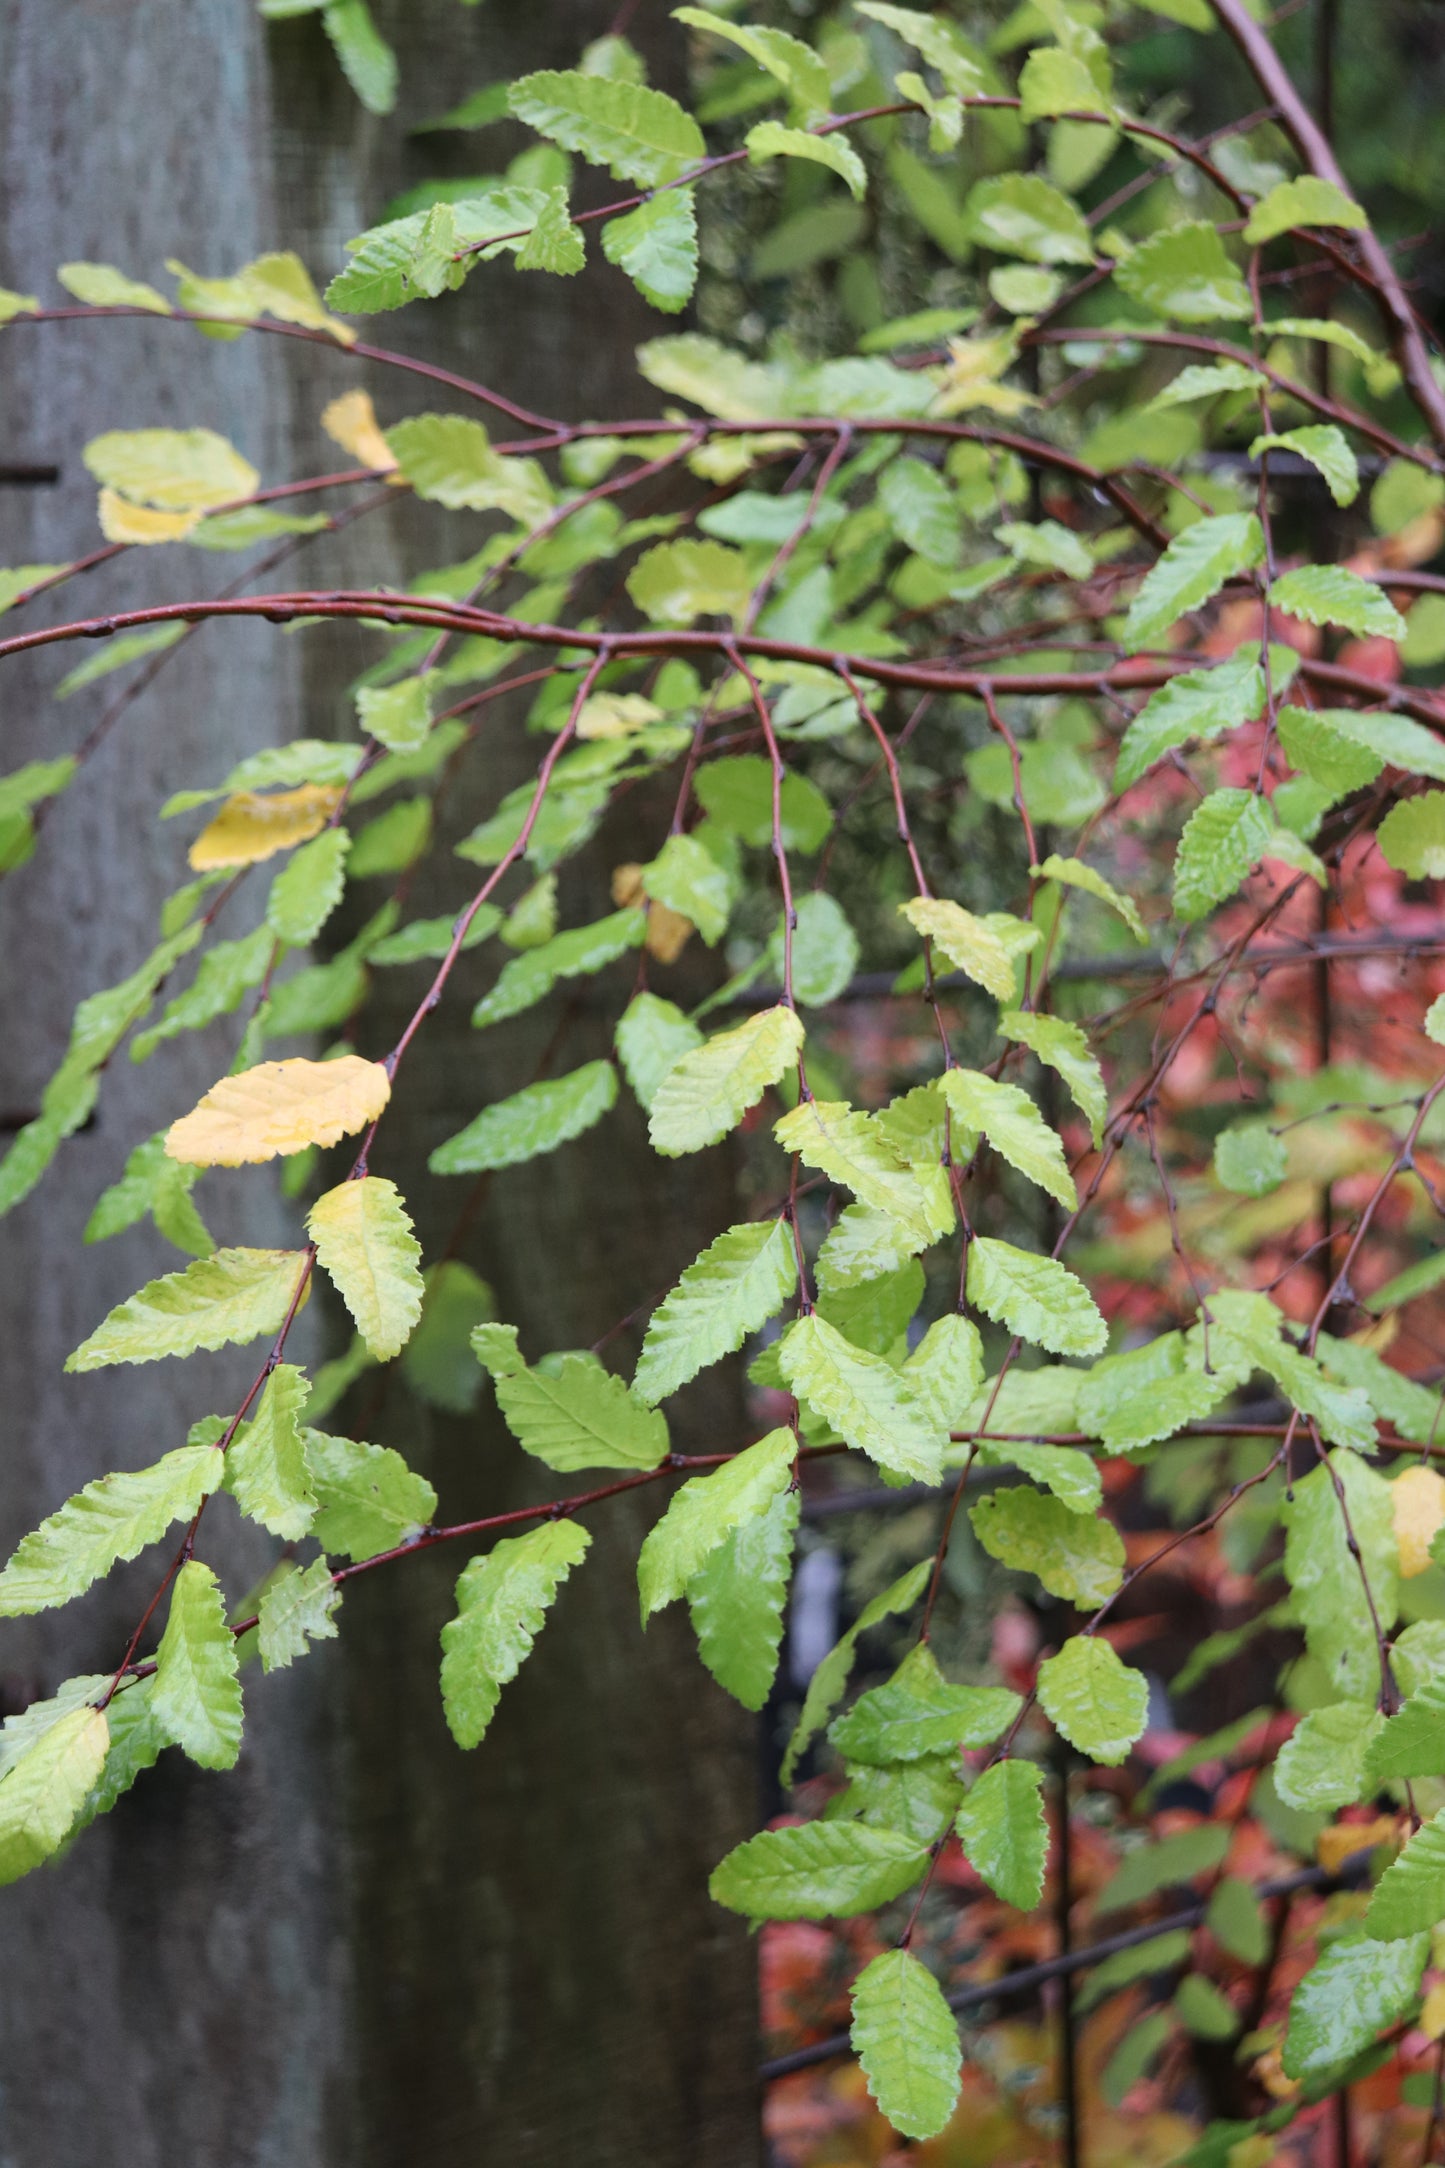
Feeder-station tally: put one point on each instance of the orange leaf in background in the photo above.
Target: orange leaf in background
(1418, 1501)
(253, 825)
(277, 1108)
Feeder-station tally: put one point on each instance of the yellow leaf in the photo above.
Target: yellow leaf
(176, 470)
(283, 288)
(970, 378)
(278, 1108)
(1432, 2014)
(122, 522)
(668, 932)
(251, 826)
(616, 715)
(1335, 1845)
(969, 945)
(1418, 1500)
(364, 1240)
(351, 422)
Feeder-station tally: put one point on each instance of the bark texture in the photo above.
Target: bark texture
(362, 1947)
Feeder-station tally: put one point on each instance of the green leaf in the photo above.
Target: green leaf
(1236, 1921)
(364, 1242)
(554, 244)
(251, 524)
(196, 1699)
(970, 944)
(533, 1121)
(918, 1799)
(1047, 543)
(1307, 201)
(795, 65)
(1071, 1476)
(705, 1512)
(825, 950)
(737, 1600)
(45, 1788)
(922, 510)
(656, 245)
(1412, 836)
(367, 61)
(685, 877)
(1249, 1159)
(1073, 873)
(111, 1519)
(1054, 81)
(437, 1359)
(576, 1415)
(829, 1682)
(1248, 1328)
(739, 1282)
(946, 1367)
(1207, 382)
(1184, 272)
(1147, 1393)
(1323, 745)
(1022, 214)
(308, 888)
(152, 1182)
(1331, 595)
(266, 1470)
(1035, 1297)
(706, 1093)
(224, 977)
(1326, 448)
(1098, 1703)
(919, 1712)
(297, 1608)
(852, 1149)
(101, 286)
(368, 1499)
(1329, 1596)
(1354, 1989)
(906, 2038)
(1005, 1834)
(448, 459)
(1013, 1126)
(502, 1600)
(235, 1295)
(1321, 1765)
(738, 794)
(1411, 1744)
(640, 134)
(1065, 1049)
(116, 653)
(817, 1870)
(427, 938)
(1193, 568)
(1223, 840)
(940, 42)
(528, 978)
(1030, 1531)
(877, 1409)
(37, 780)
(770, 139)
(1410, 1894)
(397, 716)
(652, 1034)
(176, 470)
(677, 582)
